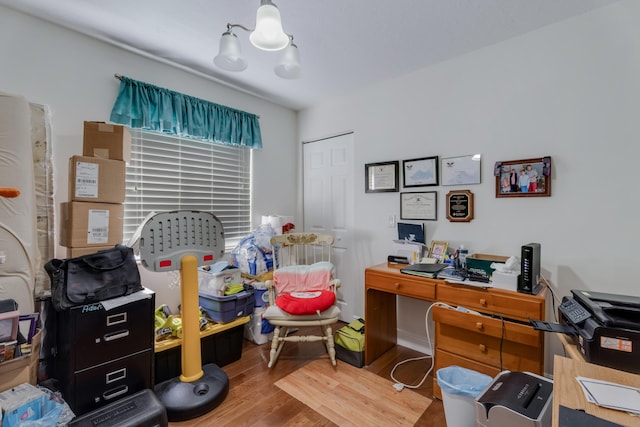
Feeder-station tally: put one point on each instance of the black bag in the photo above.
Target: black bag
(109, 273)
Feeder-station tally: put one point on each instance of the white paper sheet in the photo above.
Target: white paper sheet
(611, 395)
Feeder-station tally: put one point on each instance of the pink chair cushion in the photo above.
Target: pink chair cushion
(307, 302)
(294, 278)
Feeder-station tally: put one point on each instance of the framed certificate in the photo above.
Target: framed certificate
(381, 177)
(462, 170)
(420, 172)
(419, 205)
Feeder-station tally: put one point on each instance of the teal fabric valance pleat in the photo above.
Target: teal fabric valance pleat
(141, 105)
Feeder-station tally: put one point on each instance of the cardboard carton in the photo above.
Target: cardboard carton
(481, 264)
(92, 179)
(106, 141)
(85, 224)
(76, 252)
(22, 369)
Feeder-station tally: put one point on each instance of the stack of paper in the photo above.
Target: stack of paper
(611, 395)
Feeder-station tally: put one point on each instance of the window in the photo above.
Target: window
(169, 173)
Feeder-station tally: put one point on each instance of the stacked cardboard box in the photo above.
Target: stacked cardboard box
(92, 219)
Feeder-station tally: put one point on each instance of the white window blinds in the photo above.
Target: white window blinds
(170, 173)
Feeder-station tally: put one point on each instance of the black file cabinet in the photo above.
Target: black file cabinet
(105, 350)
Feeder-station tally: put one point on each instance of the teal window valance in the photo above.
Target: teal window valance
(141, 105)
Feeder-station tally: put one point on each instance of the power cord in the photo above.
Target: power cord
(398, 385)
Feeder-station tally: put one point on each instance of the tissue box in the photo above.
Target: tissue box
(508, 280)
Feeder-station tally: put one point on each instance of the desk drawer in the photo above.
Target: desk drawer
(509, 304)
(493, 351)
(417, 287)
(489, 326)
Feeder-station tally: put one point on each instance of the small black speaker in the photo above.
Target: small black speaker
(529, 280)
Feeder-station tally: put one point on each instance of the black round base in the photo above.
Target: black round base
(185, 401)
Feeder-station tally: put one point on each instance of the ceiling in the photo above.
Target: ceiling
(344, 44)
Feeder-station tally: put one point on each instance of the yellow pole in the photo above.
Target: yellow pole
(191, 359)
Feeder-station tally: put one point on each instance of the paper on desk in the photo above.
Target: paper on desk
(611, 395)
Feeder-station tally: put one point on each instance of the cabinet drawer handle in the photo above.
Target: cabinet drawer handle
(115, 319)
(116, 335)
(397, 285)
(483, 302)
(115, 392)
(479, 325)
(482, 347)
(114, 376)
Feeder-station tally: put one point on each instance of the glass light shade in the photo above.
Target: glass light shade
(229, 55)
(289, 66)
(269, 34)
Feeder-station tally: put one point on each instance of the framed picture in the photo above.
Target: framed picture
(420, 172)
(419, 205)
(463, 170)
(438, 249)
(460, 206)
(382, 177)
(523, 178)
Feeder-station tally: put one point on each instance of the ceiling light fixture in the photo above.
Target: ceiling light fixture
(268, 35)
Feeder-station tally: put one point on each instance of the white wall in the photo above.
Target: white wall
(73, 75)
(570, 90)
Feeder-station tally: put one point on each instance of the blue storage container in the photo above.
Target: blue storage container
(224, 309)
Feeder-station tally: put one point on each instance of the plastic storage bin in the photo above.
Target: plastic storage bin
(215, 283)
(223, 309)
(460, 387)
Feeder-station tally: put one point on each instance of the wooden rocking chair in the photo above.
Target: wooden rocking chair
(303, 290)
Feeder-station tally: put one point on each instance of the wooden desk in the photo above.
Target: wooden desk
(500, 340)
(567, 391)
(570, 348)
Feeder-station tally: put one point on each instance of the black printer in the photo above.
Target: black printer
(605, 327)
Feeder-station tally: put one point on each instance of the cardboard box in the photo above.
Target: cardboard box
(85, 224)
(22, 369)
(76, 252)
(106, 141)
(92, 179)
(481, 263)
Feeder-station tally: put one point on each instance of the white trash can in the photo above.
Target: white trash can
(460, 387)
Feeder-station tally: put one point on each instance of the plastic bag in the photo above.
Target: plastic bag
(461, 381)
(56, 412)
(253, 254)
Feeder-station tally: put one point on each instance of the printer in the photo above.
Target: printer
(515, 399)
(605, 327)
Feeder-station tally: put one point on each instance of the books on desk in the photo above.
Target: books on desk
(423, 270)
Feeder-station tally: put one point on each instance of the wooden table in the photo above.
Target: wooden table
(567, 391)
(500, 339)
(570, 348)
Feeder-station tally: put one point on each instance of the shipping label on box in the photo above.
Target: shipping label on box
(87, 224)
(96, 180)
(106, 141)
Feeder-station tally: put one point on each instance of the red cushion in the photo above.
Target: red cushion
(307, 302)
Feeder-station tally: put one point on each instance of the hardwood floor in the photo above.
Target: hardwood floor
(255, 400)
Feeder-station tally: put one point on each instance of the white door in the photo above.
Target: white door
(328, 206)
